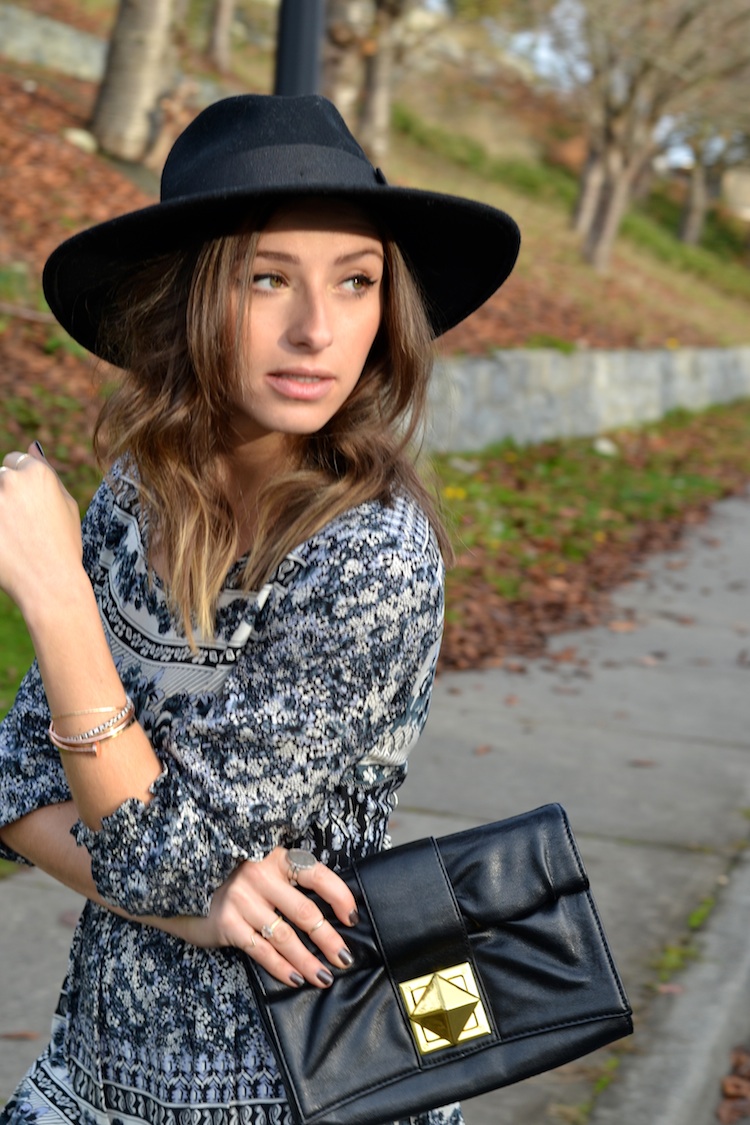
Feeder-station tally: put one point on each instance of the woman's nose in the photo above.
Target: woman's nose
(310, 325)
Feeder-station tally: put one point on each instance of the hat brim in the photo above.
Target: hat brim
(460, 251)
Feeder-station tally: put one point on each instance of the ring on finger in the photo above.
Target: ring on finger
(269, 927)
(318, 924)
(298, 860)
(23, 457)
(252, 938)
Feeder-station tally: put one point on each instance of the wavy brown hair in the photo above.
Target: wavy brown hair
(171, 416)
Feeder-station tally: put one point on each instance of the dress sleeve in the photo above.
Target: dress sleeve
(339, 660)
(31, 774)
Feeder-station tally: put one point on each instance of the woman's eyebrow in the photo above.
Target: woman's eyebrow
(364, 252)
(277, 256)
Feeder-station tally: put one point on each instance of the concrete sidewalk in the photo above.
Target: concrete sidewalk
(640, 732)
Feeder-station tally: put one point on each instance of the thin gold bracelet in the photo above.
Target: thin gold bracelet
(86, 711)
(87, 741)
(90, 747)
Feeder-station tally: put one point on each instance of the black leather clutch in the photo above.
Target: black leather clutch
(479, 960)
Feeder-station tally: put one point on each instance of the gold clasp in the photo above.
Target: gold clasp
(445, 1008)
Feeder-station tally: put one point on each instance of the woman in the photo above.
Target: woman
(243, 659)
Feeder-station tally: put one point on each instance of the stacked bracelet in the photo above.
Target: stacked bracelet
(88, 741)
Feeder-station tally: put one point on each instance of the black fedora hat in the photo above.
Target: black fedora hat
(258, 148)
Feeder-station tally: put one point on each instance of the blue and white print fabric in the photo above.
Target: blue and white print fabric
(291, 726)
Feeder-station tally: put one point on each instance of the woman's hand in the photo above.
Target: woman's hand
(40, 529)
(253, 910)
(239, 910)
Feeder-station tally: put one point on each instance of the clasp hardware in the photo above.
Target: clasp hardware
(444, 1008)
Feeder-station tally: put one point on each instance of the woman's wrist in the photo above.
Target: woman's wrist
(47, 607)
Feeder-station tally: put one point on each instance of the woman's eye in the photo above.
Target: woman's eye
(268, 281)
(359, 283)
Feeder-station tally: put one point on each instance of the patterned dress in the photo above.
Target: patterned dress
(290, 727)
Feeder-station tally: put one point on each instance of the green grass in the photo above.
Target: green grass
(59, 423)
(17, 289)
(651, 226)
(545, 340)
(726, 276)
(702, 913)
(534, 180)
(519, 513)
(16, 652)
(723, 234)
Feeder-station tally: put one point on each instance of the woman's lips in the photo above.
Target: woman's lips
(306, 386)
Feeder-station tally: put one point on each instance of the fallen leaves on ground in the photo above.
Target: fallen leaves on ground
(49, 189)
(484, 627)
(735, 1088)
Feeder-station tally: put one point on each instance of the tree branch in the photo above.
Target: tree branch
(26, 314)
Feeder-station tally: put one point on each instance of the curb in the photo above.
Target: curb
(677, 1079)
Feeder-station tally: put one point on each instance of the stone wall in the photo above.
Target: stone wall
(531, 396)
(29, 38)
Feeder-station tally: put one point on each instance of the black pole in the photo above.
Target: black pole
(298, 47)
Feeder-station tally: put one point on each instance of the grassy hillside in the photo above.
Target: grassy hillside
(493, 138)
(532, 558)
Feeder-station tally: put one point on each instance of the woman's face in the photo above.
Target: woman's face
(315, 309)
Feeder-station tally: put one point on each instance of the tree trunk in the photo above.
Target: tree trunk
(590, 189)
(180, 12)
(375, 121)
(138, 71)
(348, 23)
(613, 202)
(220, 47)
(693, 216)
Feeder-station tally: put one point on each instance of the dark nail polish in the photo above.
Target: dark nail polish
(345, 958)
(325, 977)
(297, 979)
(354, 918)
(39, 447)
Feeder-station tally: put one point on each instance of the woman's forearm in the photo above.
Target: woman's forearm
(43, 838)
(79, 675)
(41, 569)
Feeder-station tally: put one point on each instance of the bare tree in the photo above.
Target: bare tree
(635, 64)
(717, 136)
(220, 40)
(138, 72)
(364, 39)
(380, 62)
(348, 25)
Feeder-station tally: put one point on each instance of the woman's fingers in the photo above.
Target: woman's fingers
(41, 541)
(325, 883)
(278, 910)
(35, 450)
(14, 460)
(279, 949)
(273, 878)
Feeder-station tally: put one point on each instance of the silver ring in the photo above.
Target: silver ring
(317, 926)
(299, 860)
(268, 929)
